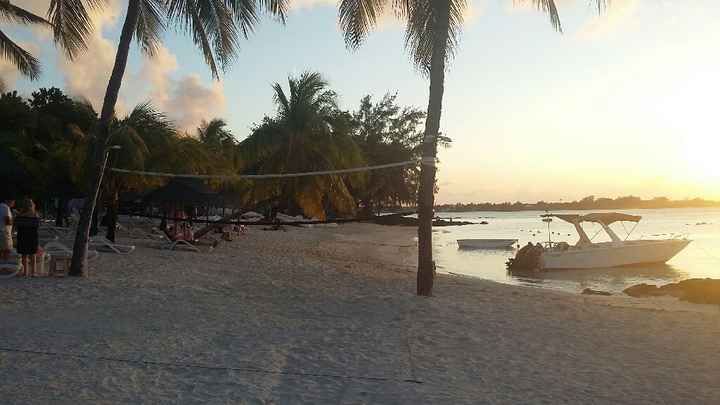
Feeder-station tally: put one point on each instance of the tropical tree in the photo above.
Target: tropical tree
(431, 37)
(215, 135)
(306, 134)
(215, 27)
(42, 135)
(388, 133)
(69, 21)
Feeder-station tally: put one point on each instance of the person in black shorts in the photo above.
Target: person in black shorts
(27, 223)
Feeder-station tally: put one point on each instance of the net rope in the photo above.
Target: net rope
(275, 175)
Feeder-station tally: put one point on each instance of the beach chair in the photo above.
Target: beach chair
(180, 244)
(9, 268)
(55, 232)
(57, 249)
(103, 244)
(185, 238)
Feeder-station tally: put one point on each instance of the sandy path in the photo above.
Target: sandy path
(329, 316)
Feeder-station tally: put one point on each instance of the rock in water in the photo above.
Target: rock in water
(695, 290)
(590, 291)
(642, 290)
(700, 291)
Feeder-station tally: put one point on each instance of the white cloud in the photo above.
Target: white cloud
(528, 5)
(186, 100)
(305, 4)
(88, 74)
(189, 101)
(618, 15)
(388, 20)
(8, 72)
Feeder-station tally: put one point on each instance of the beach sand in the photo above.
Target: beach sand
(329, 315)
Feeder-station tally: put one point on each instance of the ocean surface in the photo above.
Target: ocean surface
(700, 259)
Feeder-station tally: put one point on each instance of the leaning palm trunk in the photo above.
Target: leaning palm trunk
(426, 195)
(79, 258)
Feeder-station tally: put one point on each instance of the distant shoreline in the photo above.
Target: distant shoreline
(587, 203)
(440, 209)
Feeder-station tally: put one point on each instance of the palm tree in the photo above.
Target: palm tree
(216, 136)
(69, 21)
(306, 134)
(431, 37)
(215, 27)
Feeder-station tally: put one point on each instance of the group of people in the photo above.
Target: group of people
(26, 222)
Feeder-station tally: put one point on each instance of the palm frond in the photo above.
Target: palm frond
(72, 24)
(150, 25)
(27, 64)
(358, 18)
(277, 8)
(427, 18)
(12, 13)
(216, 25)
(224, 32)
(280, 98)
(548, 7)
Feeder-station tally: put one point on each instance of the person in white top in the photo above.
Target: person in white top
(6, 223)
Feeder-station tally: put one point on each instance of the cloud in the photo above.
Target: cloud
(8, 72)
(388, 20)
(189, 101)
(306, 4)
(88, 74)
(186, 100)
(156, 72)
(618, 14)
(528, 5)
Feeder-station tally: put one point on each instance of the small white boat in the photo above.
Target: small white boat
(486, 243)
(588, 255)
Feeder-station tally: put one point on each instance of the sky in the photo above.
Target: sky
(622, 103)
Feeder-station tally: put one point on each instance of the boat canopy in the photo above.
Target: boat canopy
(605, 218)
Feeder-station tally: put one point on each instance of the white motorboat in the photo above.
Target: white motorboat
(486, 243)
(587, 255)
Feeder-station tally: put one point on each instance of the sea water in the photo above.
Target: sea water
(700, 259)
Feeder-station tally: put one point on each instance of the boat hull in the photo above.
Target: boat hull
(486, 243)
(604, 255)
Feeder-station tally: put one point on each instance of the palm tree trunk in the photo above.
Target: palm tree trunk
(79, 258)
(112, 216)
(60, 213)
(426, 194)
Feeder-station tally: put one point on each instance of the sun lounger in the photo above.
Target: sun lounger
(105, 245)
(59, 232)
(9, 268)
(180, 244)
(57, 249)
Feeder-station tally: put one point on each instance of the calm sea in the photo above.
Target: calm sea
(700, 259)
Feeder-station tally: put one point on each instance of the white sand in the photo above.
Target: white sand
(329, 316)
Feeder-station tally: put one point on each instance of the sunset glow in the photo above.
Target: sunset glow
(620, 104)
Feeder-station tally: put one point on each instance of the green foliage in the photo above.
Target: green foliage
(306, 134)
(49, 136)
(388, 133)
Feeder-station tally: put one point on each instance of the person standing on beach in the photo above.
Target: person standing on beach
(6, 223)
(27, 223)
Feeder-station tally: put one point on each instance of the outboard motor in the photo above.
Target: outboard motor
(526, 259)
